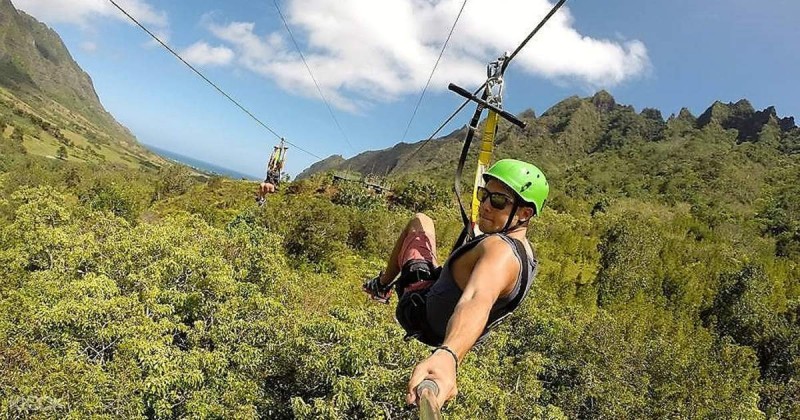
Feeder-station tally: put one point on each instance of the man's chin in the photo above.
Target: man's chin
(486, 228)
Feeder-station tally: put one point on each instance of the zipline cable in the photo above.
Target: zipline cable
(441, 53)
(314, 79)
(533, 32)
(214, 85)
(447, 121)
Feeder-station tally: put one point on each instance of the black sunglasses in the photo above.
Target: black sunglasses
(496, 199)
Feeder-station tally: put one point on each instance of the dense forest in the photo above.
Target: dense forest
(669, 282)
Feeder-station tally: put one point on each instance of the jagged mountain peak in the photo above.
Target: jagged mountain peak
(685, 115)
(528, 114)
(652, 114)
(743, 117)
(565, 106)
(603, 101)
(574, 128)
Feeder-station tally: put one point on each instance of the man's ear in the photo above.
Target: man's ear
(525, 214)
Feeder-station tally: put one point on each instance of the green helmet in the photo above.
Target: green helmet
(525, 179)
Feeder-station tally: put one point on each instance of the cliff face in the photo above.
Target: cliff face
(742, 117)
(36, 66)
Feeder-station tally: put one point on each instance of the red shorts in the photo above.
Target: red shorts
(417, 246)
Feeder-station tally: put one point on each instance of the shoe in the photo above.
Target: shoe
(378, 291)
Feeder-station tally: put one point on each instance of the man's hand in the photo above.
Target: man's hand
(265, 188)
(440, 367)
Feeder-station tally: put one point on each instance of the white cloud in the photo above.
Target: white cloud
(81, 12)
(362, 51)
(86, 12)
(202, 54)
(89, 46)
(367, 51)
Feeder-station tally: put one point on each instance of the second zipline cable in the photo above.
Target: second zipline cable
(214, 85)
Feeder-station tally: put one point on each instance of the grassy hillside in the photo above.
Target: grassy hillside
(44, 129)
(732, 157)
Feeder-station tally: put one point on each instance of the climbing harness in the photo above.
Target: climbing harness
(276, 161)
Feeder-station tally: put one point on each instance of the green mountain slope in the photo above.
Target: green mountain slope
(574, 129)
(51, 101)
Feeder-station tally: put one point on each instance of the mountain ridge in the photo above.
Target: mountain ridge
(573, 128)
(35, 53)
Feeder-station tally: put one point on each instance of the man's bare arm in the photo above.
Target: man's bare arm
(495, 271)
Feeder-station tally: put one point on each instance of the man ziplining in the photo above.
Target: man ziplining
(454, 306)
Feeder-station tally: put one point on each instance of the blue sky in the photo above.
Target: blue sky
(371, 59)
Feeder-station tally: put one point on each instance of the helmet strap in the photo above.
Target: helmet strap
(510, 218)
(507, 228)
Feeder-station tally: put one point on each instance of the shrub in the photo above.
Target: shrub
(421, 196)
(358, 196)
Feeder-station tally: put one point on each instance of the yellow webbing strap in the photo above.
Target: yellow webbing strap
(484, 158)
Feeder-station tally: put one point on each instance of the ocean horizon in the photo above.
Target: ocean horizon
(199, 164)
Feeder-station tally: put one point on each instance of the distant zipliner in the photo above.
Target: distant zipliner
(274, 170)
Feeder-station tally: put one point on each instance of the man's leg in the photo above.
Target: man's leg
(417, 241)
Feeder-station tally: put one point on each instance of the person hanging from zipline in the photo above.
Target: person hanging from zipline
(274, 170)
(489, 272)
(453, 306)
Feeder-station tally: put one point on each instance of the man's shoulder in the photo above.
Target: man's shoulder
(496, 245)
(497, 254)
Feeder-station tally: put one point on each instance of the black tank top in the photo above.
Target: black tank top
(445, 293)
